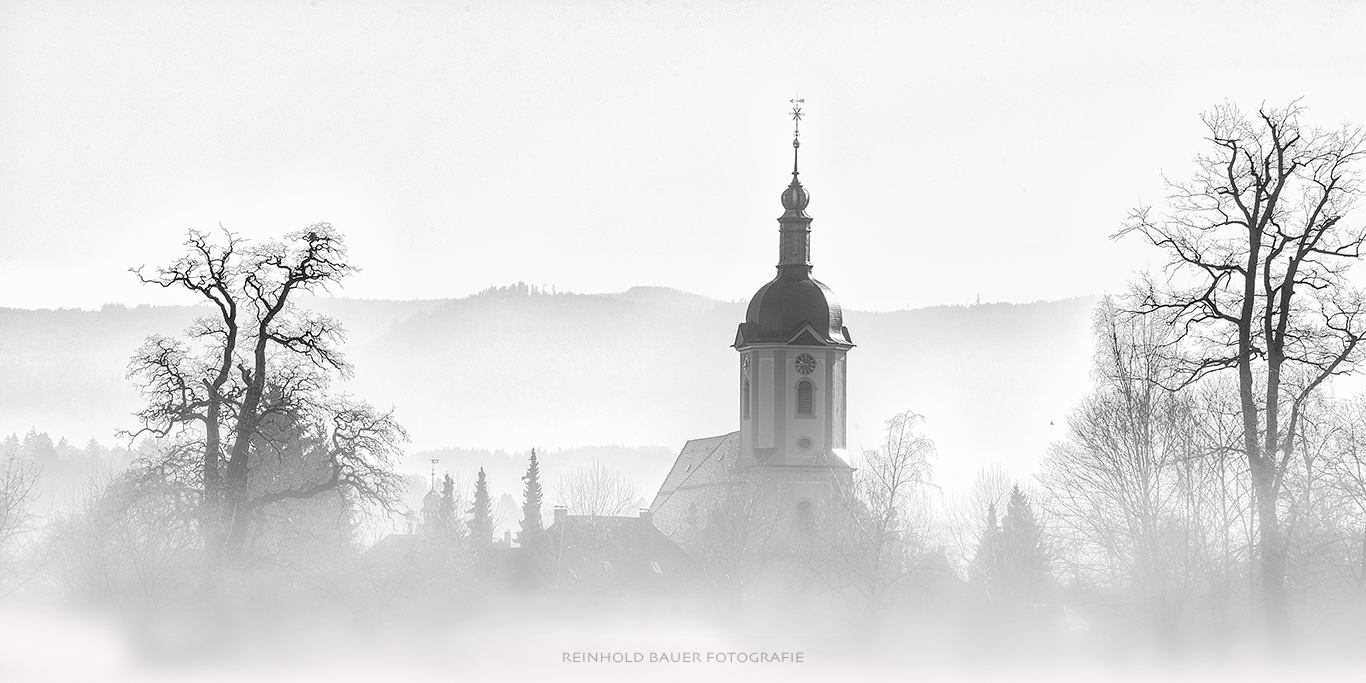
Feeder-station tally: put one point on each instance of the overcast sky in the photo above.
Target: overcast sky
(951, 151)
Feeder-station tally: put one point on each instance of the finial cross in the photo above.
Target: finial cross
(796, 131)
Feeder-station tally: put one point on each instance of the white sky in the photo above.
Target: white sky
(951, 151)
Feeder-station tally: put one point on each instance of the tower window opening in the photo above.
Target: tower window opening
(804, 391)
(805, 515)
(744, 398)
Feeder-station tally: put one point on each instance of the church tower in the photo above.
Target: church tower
(788, 461)
(792, 348)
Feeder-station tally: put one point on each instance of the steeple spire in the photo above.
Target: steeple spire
(794, 226)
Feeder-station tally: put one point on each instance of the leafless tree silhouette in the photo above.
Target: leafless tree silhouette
(1259, 243)
(17, 517)
(247, 386)
(1136, 490)
(596, 490)
(874, 536)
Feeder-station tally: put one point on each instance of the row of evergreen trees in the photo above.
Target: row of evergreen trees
(67, 469)
(479, 522)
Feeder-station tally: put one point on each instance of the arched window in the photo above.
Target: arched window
(804, 391)
(744, 398)
(805, 516)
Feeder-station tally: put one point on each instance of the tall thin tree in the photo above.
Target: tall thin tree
(481, 516)
(446, 512)
(531, 505)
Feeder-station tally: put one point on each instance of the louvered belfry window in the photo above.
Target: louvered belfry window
(804, 390)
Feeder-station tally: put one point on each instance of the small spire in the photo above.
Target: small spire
(434, 461)
(794, 241)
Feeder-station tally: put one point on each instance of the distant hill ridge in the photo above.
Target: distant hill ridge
(515, 367)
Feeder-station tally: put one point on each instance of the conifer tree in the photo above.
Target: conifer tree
(481, 515)
(531, 507)
(1025, 563)
(445, 512)
(988, 561)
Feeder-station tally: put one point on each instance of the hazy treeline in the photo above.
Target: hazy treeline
(67, 470)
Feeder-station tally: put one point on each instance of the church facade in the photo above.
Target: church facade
(789, 456)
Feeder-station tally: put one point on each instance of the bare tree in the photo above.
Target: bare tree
(1121, 488)
(879, 531)
(17, 517)
(1259, 243)
(133, 542)
(247, 388)
(1344, 473)
(965, 514)
(596, 490)
(743, 540)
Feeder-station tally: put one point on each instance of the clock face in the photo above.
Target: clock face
(806, 364)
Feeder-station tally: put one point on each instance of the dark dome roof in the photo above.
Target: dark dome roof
(793, 299)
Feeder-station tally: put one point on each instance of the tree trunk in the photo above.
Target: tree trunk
(212, 503)
(1271, 549)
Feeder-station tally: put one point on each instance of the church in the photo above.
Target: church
(781, 476)
(790, 449)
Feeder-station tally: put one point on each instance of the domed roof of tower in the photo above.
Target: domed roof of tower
(788, 303)
(431, 501)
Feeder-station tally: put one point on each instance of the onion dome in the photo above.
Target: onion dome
(795, 198)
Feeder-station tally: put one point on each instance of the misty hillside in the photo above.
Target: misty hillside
(512, 368)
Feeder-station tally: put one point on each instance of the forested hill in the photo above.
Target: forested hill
(516, 367)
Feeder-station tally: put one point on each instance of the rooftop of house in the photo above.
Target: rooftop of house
(610, 553)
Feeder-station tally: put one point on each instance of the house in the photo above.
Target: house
(612, 554)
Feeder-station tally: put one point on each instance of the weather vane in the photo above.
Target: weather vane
(796, 131)
(434, 461)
